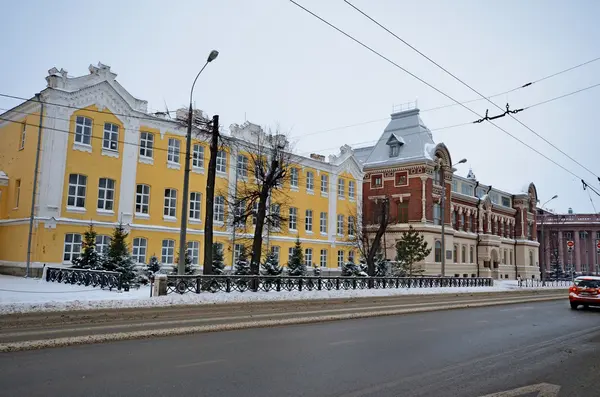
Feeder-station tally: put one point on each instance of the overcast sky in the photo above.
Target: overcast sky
(279, 66)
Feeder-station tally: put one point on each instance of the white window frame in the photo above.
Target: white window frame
(71, 249)
(290, 254)
(198, 156)
(308, 257)
(106, 194)
(351, 226)
(340, 225)
(110, 139)
(323, 223)
(170, 203)
(242, 166)
(146, 144)
(310, 181)
(341, 188)
(23, 136)
(139, 249)
(173, 151)
(254, 213)
(340, 258)
(275, 250)
(102, 244)
(294, 177)
(275, 211)
(219, 209)
(17, 192)
(195, 206)
(221, 166)
(83, 130)
(308, 218)
(193, 250)
(167, 256)
(323, 258)
(142, 207)
(351, 256)
(293, 219)
(324, 184)
(77, 191)
(351, 190)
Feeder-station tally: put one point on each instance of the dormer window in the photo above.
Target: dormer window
(394, 142)
(394, 150)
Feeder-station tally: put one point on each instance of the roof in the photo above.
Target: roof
(362, 153)
(406, 127)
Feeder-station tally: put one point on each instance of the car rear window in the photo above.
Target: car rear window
(588, 283)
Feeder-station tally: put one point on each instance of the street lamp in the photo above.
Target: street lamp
(186, 178)
(443, 217)
(543, 271)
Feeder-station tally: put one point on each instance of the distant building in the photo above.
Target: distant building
(489, 232)
(582, 229)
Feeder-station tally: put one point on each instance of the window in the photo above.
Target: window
(462, 225)
(308, 257)
(111, 137)
(323, 222)
(568, 235)
(324, 184)
(351, 190)
(275, 216)
(275, 251)
(219, 208)
(530, 231)
(341, 187)
(455, 185)
(582, 235)
(471, 254)
(463, 251)
(139, 247)
(193, 250)
(510, 257)
(351, 226)
(403, 212)
(238, 250)
(454, 220)
(170, 207)
(438, 251)
(470, 223)
(142, 199)
(437, 214)
(23, 135)
(506, 202)
(195, 200)
(294, 177)
(106, 194)
(77, 185)
(323, 261)
(310, 180)
(495, 198)
(308, 221)
(72, 247)
(455, 253)
(221, 161)
(168, 252)
(598, 235)
(340, 225)
(480, 192)
(293, 219)
(340, 258)
(438, 176)
(102, 244)
(504, 258)
(242, 166)
(83, 130)
(351, 256)
(17, 192)
(394, 150)
(254, 213)
(198, 156)
(465, 189)
(290, 254)
(173, 151)
(146, 144)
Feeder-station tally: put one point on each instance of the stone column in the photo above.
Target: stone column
(577, 253)
(424, 200)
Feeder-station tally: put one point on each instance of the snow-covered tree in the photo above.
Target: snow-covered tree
(218, 265)
(90, 258)
(411, 248)
(242, 267)
(118, 258)
(350, 269)
(153, 265)
(271, 266)
(316, 271)
(381, 265)
(297, 267)
(189, 267)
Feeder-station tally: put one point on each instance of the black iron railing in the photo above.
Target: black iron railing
(545, 283)
(94, 278)
(230, 283)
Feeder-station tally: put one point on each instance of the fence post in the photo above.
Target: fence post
(337, 283)
(300, 279)
(228, 284)
(278, 284)
(319, 284)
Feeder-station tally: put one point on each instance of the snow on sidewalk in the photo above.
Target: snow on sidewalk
(19, 295)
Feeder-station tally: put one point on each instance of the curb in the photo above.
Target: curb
(122, 336)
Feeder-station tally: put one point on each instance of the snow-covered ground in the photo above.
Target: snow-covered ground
(19, 295)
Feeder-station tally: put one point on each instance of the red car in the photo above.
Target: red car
(585, 291)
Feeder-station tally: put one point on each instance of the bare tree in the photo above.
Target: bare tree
(370, 231)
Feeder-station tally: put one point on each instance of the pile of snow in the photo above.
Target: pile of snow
(18, 295)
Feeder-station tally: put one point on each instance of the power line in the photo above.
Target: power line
(429, 85)
(466, 85)
(563, 96)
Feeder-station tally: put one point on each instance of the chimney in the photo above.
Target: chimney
(318, 157)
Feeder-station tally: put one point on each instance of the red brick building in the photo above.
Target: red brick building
(488, 232)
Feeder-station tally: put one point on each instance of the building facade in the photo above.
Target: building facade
(583, 230)
(488, 232)
(104, 159)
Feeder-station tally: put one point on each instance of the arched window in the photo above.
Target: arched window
(438, 251)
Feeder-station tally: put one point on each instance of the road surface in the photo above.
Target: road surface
(468, 352)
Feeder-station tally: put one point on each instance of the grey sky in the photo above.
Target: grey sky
(280, 66)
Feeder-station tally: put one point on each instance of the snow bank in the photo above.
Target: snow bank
(18, 295)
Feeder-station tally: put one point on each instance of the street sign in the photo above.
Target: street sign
(598, 247)
(570, 245)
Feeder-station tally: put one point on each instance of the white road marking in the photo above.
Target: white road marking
(517, 308)
(200, 363)
(542, 389)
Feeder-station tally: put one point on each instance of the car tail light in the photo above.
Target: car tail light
(573, 289)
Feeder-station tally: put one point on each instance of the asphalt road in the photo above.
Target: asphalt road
(469, 352)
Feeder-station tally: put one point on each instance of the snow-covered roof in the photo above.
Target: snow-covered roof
(406, 127)
(362, 153)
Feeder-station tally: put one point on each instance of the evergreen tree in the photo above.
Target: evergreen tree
(218, 265)
(411, 248)
(153, 265)
(316, 271)
(118, 258)
(189, 267)
(271, 266)
(350, 269)
(242, 267)
(381, 265)
(90, 258)
(297, 267)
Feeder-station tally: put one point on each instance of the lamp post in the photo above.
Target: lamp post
(543, 272)
(186, 178)
(443, 217)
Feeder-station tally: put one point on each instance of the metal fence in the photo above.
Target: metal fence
(230, 283)
(94, 278)
(545, 283)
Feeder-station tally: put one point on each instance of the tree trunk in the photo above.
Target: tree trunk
(383, 221)
(258, 229)
(210, 197)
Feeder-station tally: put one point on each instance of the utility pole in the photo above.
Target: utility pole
(210, 196)
(185, 198)
(443, 226)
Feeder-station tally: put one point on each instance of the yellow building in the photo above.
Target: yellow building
(104, 159)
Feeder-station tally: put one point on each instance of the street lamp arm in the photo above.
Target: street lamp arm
(194, 84)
